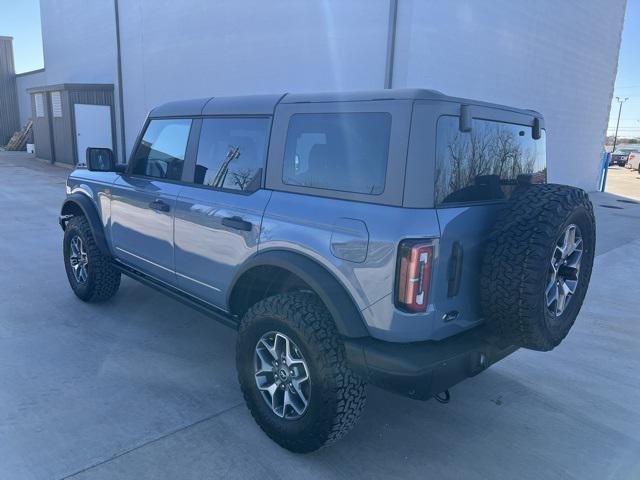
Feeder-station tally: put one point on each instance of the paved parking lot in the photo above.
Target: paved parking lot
(143, 387)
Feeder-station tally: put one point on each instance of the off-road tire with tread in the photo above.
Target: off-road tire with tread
(337, 394)
(516, 264)
(103, 279)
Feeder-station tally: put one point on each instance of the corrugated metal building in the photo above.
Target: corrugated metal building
(559, 58)
(9, 112)
(25, 81)
(54, 112)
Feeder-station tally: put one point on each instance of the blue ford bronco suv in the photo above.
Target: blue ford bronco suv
(399, 237)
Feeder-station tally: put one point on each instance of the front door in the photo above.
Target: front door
(219, 212)
(144, 200)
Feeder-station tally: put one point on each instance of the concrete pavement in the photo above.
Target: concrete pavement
(144, 387)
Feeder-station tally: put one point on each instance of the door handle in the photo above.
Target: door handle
(237, 223)
(159, 206)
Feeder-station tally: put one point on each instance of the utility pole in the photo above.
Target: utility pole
(615, 138)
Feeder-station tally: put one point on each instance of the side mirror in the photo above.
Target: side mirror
(100, 160)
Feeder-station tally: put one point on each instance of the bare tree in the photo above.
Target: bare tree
(242, 177)
(490, 148)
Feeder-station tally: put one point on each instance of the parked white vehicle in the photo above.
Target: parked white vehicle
(633, 161)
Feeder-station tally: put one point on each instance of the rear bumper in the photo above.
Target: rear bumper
(422, 369)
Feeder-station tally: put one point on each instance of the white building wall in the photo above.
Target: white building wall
(79, 45)
(25, 81)
(78, 40)
(557, 57)
(193, 48)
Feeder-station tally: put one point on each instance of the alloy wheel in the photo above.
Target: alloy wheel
(78, 260)
(282, 375)
(562, 280)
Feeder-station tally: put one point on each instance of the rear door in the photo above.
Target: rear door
(475, 174)
(144, 200)
(219, 211)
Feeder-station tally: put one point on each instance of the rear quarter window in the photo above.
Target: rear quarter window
(338, 151)
(486, 163)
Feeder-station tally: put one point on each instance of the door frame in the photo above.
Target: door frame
(74, 133)
(74, 130)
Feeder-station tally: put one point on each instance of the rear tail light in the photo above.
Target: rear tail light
(415, 258)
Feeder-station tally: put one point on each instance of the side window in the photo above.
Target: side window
(486, 163)
(338, 151)
(162, 149)
(231, 153)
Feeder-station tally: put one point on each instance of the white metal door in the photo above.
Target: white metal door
(93, 128)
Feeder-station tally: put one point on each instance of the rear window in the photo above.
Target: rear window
(486, 163)
(338, 151)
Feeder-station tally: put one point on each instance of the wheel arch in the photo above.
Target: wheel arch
(80, 204)
(330, 290)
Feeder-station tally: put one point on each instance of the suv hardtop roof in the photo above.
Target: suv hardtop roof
(266, 104)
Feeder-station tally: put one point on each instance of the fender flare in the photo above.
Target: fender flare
(85, 204)
(334, 295)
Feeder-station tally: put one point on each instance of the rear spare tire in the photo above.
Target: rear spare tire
(537, 265)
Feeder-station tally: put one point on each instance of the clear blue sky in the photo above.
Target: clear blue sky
(628, 79)
(21, 20)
